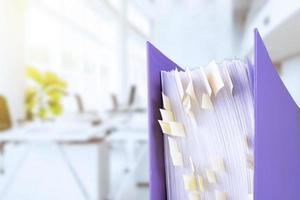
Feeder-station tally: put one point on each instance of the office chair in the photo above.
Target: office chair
(5, 120)
(5, 123)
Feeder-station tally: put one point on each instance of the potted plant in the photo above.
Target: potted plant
(43, 94)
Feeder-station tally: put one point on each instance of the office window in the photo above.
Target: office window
(138, 21)
(137, 65)
(81, 41)
(80, 44)
(115, 4)
(138, 33)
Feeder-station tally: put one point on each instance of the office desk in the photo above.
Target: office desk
(132, 134)
(67, 135)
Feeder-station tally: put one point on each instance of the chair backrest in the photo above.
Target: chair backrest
(132, 95)
(79, 103)
(5, 121)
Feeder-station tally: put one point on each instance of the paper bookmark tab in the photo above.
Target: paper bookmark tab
(173, 145)
(176, 155)
(167, 115)
(177, 158)
(250, 160)
(165, 127)
(179, 84)
(200, 180)
(166, 102)
(192, 164)
(206, 102)
(227, 79)
(250, 196)
(187, 104)
(190, 182)
(190, 88)
(220, 195)
(190, 91)
(211, 176)
(247, 145)
(193, 196)
(192, 116)
(205, 81)
(177, 129)
(214, 77)
(219, 165)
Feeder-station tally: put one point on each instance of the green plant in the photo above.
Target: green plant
(43, 94)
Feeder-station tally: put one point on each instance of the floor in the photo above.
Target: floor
(41, 173)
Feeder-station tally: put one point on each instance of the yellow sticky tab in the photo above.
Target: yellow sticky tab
(250, 160)
(165, 127)
(177, 129)
(214, 77)
(206, 102)
(205, 81)
(227, 79)
(190, 91)
(250, 196)
(179, 83)
(177, 158)
(211, 176)
(173, 145)
(188, 108)
(192, 116)
(166, 102)
(220, 195)
(193, 196)
(200, 180)
(219, 165)
(190, 182)
(167, 116)
(187, 103)
(247, 143)
(192, 164)
(174, 151)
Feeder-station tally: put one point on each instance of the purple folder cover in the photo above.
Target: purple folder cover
(277, 134)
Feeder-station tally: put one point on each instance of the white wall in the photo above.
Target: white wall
(290, 74)
(11, 54)
(193, 36)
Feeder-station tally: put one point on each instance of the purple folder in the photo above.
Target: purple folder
(277, 131)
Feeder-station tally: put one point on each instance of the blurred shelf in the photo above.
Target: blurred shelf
(278, 22)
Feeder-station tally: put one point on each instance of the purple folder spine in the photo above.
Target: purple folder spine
(156, 62)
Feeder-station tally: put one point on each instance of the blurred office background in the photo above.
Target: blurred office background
(93, 53)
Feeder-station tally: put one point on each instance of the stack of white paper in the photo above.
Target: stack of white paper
(207, 122)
